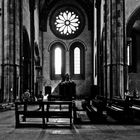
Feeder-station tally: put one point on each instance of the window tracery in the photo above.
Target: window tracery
(67, 22)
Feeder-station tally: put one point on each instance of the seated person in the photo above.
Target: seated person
(26, 96)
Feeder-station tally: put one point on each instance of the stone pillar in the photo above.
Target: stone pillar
(1, 31)
(98, 26)
(107, 51)
(9, 50)
(20, 80)
(115, 35)
(32, 37)
(7, 53)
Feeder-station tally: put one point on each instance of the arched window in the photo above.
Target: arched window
(77, 61)
(57, 60)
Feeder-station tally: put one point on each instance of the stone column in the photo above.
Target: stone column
(9, 50)
(32, 37)
(115, 48)
(7, 53)
(1, 32)
(20, 80)
(98, 26)
(107, 51)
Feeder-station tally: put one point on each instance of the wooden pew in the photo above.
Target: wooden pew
(99, 103)
(95, 109)
(119, 109)
(135, 107)
(21, 110)
(67, 113)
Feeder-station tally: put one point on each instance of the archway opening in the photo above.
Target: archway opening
(133, 50)
(26, 61)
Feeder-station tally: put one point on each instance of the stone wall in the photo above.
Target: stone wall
(83, 86)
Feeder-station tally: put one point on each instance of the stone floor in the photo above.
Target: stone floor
(78, 132)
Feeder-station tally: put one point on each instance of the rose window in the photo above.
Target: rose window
(67, 22)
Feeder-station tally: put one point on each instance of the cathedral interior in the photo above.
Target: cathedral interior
(95, 42)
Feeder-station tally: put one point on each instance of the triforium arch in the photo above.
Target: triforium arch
(133, 49)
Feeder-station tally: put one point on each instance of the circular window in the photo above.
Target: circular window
(67, 22)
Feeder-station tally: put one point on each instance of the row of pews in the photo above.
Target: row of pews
(135, 107)
(120, 110)
(100, 109)
(95, 109)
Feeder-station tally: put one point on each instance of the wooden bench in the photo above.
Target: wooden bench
(135, 107)
(119, 109)
(22, 110)
(95, 109)
(99, 104)
(77, 110)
